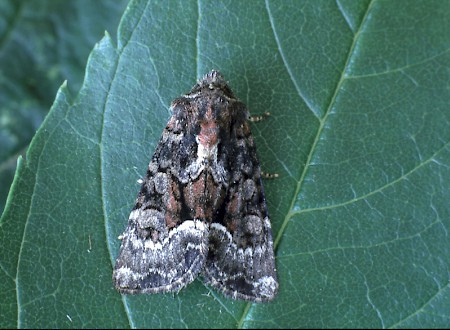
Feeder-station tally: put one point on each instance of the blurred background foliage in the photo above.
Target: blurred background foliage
(42, 44)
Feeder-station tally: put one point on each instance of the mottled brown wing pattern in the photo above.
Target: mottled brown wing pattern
(201, 208)
(241, 261)
(160, 252)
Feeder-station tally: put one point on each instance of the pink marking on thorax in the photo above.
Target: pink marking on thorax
(209, 131)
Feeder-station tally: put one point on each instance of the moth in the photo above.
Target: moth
(201, 209)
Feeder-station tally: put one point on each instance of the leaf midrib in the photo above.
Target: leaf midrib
(322, 122)
(101, 150)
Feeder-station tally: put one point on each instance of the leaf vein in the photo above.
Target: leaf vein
(286, 64)
(102, 188)
(380, 189)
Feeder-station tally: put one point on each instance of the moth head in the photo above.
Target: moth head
(213, 81)
(210, 103)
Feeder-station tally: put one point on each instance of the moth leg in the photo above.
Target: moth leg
(256, 118)
(266, 175)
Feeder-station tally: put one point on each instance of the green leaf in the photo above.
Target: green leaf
(359, 135)
(42, 43)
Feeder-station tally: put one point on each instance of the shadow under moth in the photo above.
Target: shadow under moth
(201, 209)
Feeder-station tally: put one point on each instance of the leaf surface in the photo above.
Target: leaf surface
(359, 135)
